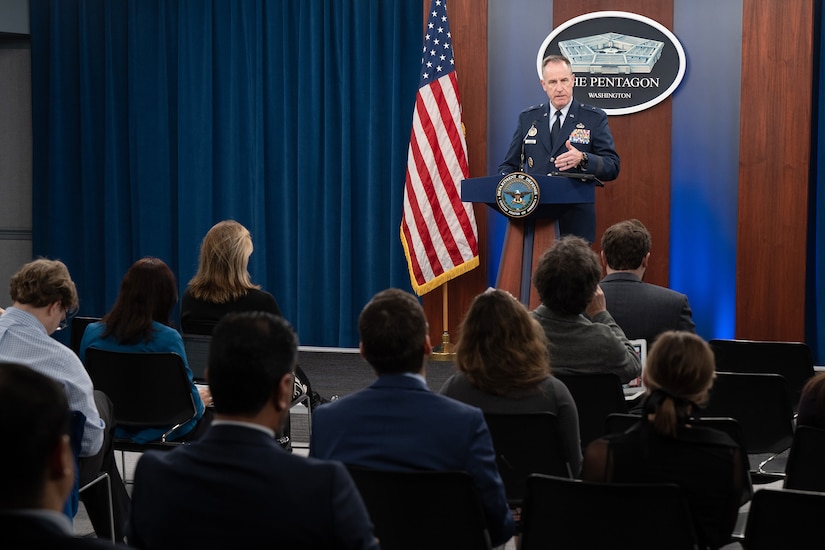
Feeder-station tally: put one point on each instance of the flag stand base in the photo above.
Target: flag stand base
(443, 351)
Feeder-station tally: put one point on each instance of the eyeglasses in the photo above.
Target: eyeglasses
(67, 316)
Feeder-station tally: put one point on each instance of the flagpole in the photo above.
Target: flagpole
(444, 351)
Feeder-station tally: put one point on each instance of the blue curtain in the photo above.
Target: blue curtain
(154, 119)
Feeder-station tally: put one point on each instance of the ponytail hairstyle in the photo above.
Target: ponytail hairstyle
(679, 374)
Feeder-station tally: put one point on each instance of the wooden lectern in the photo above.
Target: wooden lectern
(527, 238)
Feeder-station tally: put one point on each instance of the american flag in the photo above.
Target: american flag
(438, 231)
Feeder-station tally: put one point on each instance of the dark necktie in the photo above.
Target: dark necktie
(556, 128)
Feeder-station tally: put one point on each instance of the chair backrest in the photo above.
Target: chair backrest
(619, 423)
(784, 518)
(760, 403)
(570, 513)
(78, 327)
(805, 467)
(525, 444)
(596, 395)
(147, 389)
(77, 421)
(423, 509)
(197, 354)
(793, 360)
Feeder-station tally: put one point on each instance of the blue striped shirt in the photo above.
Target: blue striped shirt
(23, 340)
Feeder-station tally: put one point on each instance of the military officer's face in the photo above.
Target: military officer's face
(558, 83)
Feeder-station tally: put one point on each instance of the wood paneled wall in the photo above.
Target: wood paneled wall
(468, 25)
(774, 158)
(642, 189)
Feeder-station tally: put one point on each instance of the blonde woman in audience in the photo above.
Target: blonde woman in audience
(503, 366)
(668, 446)
(222, 285)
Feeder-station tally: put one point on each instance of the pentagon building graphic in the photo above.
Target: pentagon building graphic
(612, 53)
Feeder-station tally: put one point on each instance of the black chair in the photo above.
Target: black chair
(78, 327)
(793, 360)
(784, 518)
(805, 468)
(575, 514)
(146, 389)
(423, 509)
(196, 347)
(596, 395)
(619, 423)
(77, 425)
(760, 403)
(525, 444)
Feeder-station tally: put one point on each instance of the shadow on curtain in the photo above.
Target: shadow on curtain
(153, 120)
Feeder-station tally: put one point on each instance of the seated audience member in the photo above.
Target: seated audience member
(43, 296)
(666, 445)
(235, 487)
(223, 284)
(503, 367)
(37, 464)
(567, 280)
(643, 310)
(139, 323)
(811, 410)
(397, 423)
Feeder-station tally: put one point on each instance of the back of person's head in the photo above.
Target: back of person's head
(502, 348)
(393, 331)
(625, 245)
(678, 375)
(34, 417)
(223, 273)
(567, 275)
(249, 354)
(812, 402)
(42, 282)
(148, 292)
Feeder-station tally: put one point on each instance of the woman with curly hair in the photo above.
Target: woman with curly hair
(503, 366)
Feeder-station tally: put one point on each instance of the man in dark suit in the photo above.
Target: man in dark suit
(37, 463)
(397, 423)
(236, 487)
(643, 310)
(581, 143)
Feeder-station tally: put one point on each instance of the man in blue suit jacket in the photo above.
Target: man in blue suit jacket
(397, 423)
(236, 487)
(37, 464)
(583, 144)
(643, 310)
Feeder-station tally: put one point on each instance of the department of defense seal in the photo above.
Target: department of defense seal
(517, 195)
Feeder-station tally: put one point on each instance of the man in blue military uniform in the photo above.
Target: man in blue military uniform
(564, 135)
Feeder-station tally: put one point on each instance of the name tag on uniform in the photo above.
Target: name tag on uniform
(530, 141)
